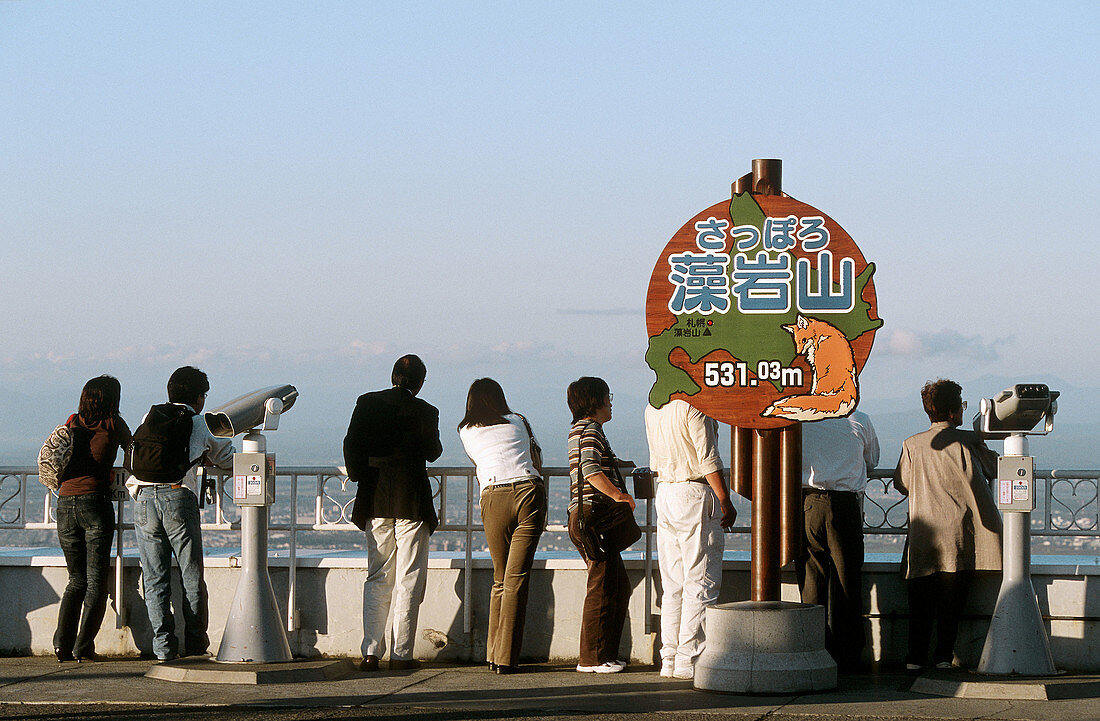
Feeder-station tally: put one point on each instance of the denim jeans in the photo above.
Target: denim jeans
(85, 528)
(167, 524)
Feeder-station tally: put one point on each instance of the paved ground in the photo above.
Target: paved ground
(39, 688)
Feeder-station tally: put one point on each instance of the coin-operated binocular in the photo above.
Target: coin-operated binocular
(254, 632)
(1012, 415)
(1017, 410)
(258, 409)
(253, 468)
(1017, 641)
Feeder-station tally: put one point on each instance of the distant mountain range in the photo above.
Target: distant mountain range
(313, 433)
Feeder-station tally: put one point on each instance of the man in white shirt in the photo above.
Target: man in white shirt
(837, 454)
(693, 507)
(167, 520)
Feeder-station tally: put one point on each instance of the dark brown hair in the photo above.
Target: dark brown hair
(941, 399)
(586, 395)
(99, 399)
(485, 404)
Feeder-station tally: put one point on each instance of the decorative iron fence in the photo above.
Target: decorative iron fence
(318, 499)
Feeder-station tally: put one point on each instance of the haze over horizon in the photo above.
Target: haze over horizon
(302, 192)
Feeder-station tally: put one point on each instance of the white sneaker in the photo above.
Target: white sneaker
(945, 664)
(684, 672)
(605, 667)
(913, 667)
(667, 667)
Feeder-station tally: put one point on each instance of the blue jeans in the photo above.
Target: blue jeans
(85, 529)
(167, 523)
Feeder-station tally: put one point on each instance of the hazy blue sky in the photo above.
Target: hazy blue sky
(301, 192)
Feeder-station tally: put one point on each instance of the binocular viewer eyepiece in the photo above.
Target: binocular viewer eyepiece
(1017, 410)
(257, 409)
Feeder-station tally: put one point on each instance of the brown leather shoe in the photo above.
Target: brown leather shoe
(404, 664)
(368, 664)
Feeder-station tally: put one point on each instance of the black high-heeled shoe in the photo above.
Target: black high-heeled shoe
(492, 667)
(63, 655)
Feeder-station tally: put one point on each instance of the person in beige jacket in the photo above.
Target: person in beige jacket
(954, 525)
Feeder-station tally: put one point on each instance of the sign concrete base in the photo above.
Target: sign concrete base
(765, 647)
(206, 670)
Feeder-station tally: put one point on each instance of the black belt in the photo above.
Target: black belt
(826, 492)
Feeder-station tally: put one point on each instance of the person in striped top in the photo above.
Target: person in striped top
(591, 457)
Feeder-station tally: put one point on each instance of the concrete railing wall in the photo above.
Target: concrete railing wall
(330, 605)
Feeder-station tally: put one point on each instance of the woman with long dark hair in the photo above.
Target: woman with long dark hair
(508, 463)
(86, 517)
(592, 460)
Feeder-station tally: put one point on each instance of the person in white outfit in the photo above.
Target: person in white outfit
(693, 508)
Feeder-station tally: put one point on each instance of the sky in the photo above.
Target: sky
(301, 192)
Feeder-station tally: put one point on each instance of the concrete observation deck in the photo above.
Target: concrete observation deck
(330, 595)
(39, 688)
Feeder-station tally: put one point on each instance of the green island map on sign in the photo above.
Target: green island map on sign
(748, 337)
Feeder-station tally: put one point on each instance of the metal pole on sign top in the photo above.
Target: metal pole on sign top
(785, 650)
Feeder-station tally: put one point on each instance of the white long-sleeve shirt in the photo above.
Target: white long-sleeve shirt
(837, 453)
(683, 443)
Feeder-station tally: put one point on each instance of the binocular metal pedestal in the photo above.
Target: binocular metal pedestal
(1017, 641)
(254, 632)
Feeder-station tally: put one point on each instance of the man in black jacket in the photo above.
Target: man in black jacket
(392, 436)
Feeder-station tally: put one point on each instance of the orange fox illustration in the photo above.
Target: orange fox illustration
(835, 389)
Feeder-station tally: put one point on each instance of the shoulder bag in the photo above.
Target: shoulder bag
(609, 530)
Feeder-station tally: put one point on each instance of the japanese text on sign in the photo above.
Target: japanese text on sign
(762, 275)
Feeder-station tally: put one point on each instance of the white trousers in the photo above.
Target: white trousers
(397, 570)
(690, 543)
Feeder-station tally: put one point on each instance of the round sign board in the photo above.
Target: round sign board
(761, 312)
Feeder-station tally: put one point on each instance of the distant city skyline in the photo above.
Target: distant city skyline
(302, 192)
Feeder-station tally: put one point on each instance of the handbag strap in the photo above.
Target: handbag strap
(580, 475)
(530, 434)
(579, 494)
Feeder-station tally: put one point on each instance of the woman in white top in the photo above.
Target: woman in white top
(513, 510)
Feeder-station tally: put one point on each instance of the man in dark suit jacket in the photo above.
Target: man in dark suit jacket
(392, 436)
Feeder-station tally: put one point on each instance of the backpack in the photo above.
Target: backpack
(55, 455)
(162, 445)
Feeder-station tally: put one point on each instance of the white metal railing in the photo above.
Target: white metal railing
(1068, 505)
